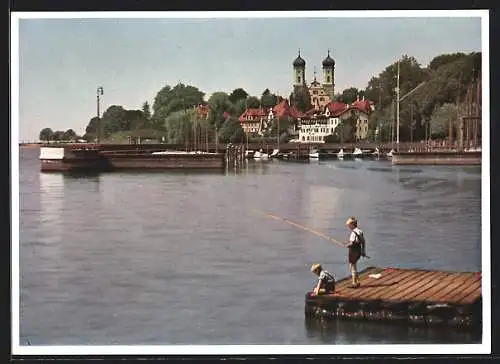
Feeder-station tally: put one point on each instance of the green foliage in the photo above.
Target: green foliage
(268, 99)
(231, 131)
(238, 94)
(284, 124)
(332, 138)
(178, 127)
(46, 134)
(301, 99)
(443, 59)
(180, 97)
(146, 111)
(441, 118)
(446, 81)
(69, 135)
(349, 95)
(253, 102)
(345, 131)
(218, 103)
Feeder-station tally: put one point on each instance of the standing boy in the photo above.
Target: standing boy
(356, 248)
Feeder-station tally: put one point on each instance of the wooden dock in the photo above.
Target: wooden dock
(404, 295)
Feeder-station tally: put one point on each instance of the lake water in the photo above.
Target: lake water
(171, 258)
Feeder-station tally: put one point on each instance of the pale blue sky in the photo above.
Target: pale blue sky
(63, 61)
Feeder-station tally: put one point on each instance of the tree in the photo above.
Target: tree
(346, 129)
(69, 135)
(301, 99)
(180, 97)
(441, 118)
(46, 134)
(58, 135)
(237, 95)
(178, 127)
(268, 99)
(231, 131)
(350, 95)
(443, 59)
(253, 102)
(218, 103)
(146, 111)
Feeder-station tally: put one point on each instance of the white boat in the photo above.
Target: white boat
(260, 155)
(389, 154)
(357, 153)
(249, 153)
(275, 153)
(340, 155)
(314, 154)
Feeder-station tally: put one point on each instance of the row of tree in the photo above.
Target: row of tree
(426, 112)
(47, 134)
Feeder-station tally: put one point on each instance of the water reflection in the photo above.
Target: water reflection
(51, 204)
(362, 332)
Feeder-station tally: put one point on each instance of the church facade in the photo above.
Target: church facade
(320, 93)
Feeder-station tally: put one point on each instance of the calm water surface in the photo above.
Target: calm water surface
(162, 258)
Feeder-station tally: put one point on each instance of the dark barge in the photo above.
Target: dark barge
(409, 296)
(437, 158)
(108, 158)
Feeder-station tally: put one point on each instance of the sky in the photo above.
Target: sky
(61, 62)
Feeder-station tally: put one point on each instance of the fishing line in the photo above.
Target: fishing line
(293, 223)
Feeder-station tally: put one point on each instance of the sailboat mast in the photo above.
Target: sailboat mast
(397, 112)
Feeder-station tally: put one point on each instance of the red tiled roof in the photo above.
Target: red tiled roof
(362, 105)
(283, 109)
(336, 108)
(255, 113)
(311, 112)
(295, 113)
(203, 110)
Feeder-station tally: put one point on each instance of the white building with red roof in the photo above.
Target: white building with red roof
(284, 110)
(254, 120)
(316, 124)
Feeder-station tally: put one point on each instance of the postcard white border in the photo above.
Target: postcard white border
(483, 348)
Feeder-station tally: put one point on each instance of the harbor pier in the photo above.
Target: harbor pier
(411, 296)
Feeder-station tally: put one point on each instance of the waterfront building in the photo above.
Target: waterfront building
(284, 110)
(317, 124)
(254, 120)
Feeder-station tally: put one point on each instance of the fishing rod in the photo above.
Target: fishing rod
(290, 222)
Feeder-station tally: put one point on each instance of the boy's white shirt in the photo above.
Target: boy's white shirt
(352, 237)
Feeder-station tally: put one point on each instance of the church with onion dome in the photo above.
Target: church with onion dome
(321, 93)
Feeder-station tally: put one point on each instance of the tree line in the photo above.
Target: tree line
(173, 117)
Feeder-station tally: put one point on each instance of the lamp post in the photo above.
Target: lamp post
(99, 93)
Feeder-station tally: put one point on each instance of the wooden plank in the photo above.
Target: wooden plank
(402, 292)
(469, 290)
(345, 285)
(473, 296)
(457, 286)
(400, 278)
(436, 288)
(431, 282)
(387, 291)
(387, 279)
(444, 294)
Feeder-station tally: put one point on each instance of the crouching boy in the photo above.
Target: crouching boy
(326, 281)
